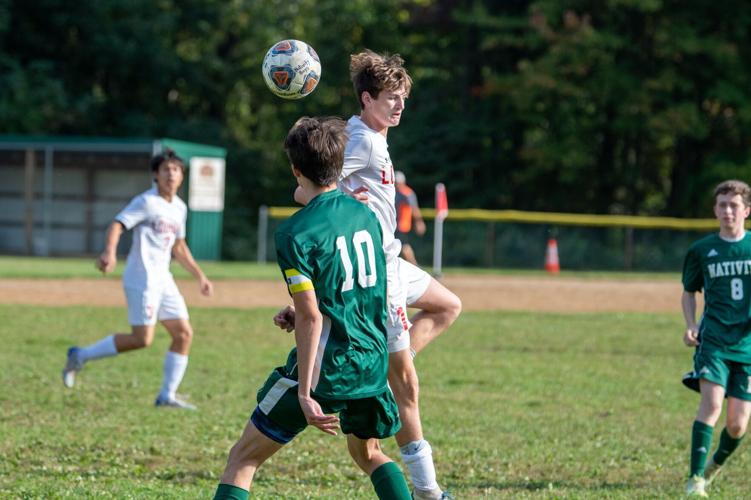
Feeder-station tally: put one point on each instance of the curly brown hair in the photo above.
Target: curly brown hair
(372, 73)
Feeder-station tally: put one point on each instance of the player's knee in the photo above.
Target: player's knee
(362, 456)
(714, 410)
(710, 411)
(359, 459)
(241, 454)
(185, 335)
(365, 454)
(449, 308)
(453, 307)
(737, 428)
(456, 309)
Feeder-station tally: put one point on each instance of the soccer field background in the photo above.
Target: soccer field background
(76, 267)
(516, 405)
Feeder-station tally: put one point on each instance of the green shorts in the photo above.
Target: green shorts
(712, 366)
(279, 416)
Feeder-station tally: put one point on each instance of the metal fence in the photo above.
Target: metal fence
(513, 239)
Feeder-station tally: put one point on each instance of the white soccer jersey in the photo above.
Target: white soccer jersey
(367, 163)
(156, 224)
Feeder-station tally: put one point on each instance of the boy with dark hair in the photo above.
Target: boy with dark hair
(157, 218)
(330, 253)
(720, 264)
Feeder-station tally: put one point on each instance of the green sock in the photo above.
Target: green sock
(389, 482)
(701, 441)
(230, 492)
(727, 446)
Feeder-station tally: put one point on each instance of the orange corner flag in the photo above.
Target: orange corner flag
(441, 202)
(551, 257)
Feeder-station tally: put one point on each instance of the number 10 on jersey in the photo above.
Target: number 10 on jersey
(363, 244)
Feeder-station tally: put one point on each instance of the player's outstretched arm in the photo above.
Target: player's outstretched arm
(688, 305)
(107, 260)
(182, 254)
(308, 323)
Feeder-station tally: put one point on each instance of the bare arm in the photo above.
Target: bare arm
(308, 324)
(688, 304)
(182, 254)
(416, 214)
(108, 258)
(419, 222)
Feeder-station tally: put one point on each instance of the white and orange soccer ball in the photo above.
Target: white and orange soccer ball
(291, 69)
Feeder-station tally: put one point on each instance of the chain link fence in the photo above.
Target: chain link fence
(488, 239)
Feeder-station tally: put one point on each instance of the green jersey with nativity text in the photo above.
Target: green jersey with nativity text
(722, 268)
(334, 246)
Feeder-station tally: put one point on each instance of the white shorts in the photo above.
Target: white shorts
(406, 283)
(398, 323)
(415, 280)
(146, 306)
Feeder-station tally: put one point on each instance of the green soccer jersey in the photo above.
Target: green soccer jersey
(334, 246)
(723, 270)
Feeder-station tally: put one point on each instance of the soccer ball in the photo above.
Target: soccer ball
(291, 69)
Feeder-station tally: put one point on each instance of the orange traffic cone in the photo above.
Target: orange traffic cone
(551, 257)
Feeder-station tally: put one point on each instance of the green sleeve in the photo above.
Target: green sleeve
(294, 263)
(693, 278)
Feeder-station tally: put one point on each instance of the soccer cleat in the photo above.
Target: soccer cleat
(711, 471)
(174, 402)
(435, 494)
(73, 365)
(695, 487)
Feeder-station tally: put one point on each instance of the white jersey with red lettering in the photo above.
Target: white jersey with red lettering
(367, 164)
(156, 224)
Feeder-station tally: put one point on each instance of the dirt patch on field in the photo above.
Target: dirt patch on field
(552, 294)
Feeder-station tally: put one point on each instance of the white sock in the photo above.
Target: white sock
(174, 369)
(418, 457)
(101, 349)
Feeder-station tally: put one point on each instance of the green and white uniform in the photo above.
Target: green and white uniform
(722, 268)
(334, 247)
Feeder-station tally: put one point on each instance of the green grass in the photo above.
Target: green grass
(516, 405)
(68, 267)
(59, 267)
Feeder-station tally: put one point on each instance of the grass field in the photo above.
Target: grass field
(41, 267)
(516, 405)
(50, 268)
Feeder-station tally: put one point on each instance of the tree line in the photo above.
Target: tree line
(625, 106)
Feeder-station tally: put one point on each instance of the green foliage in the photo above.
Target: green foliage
(584, 406)
(626, 106)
